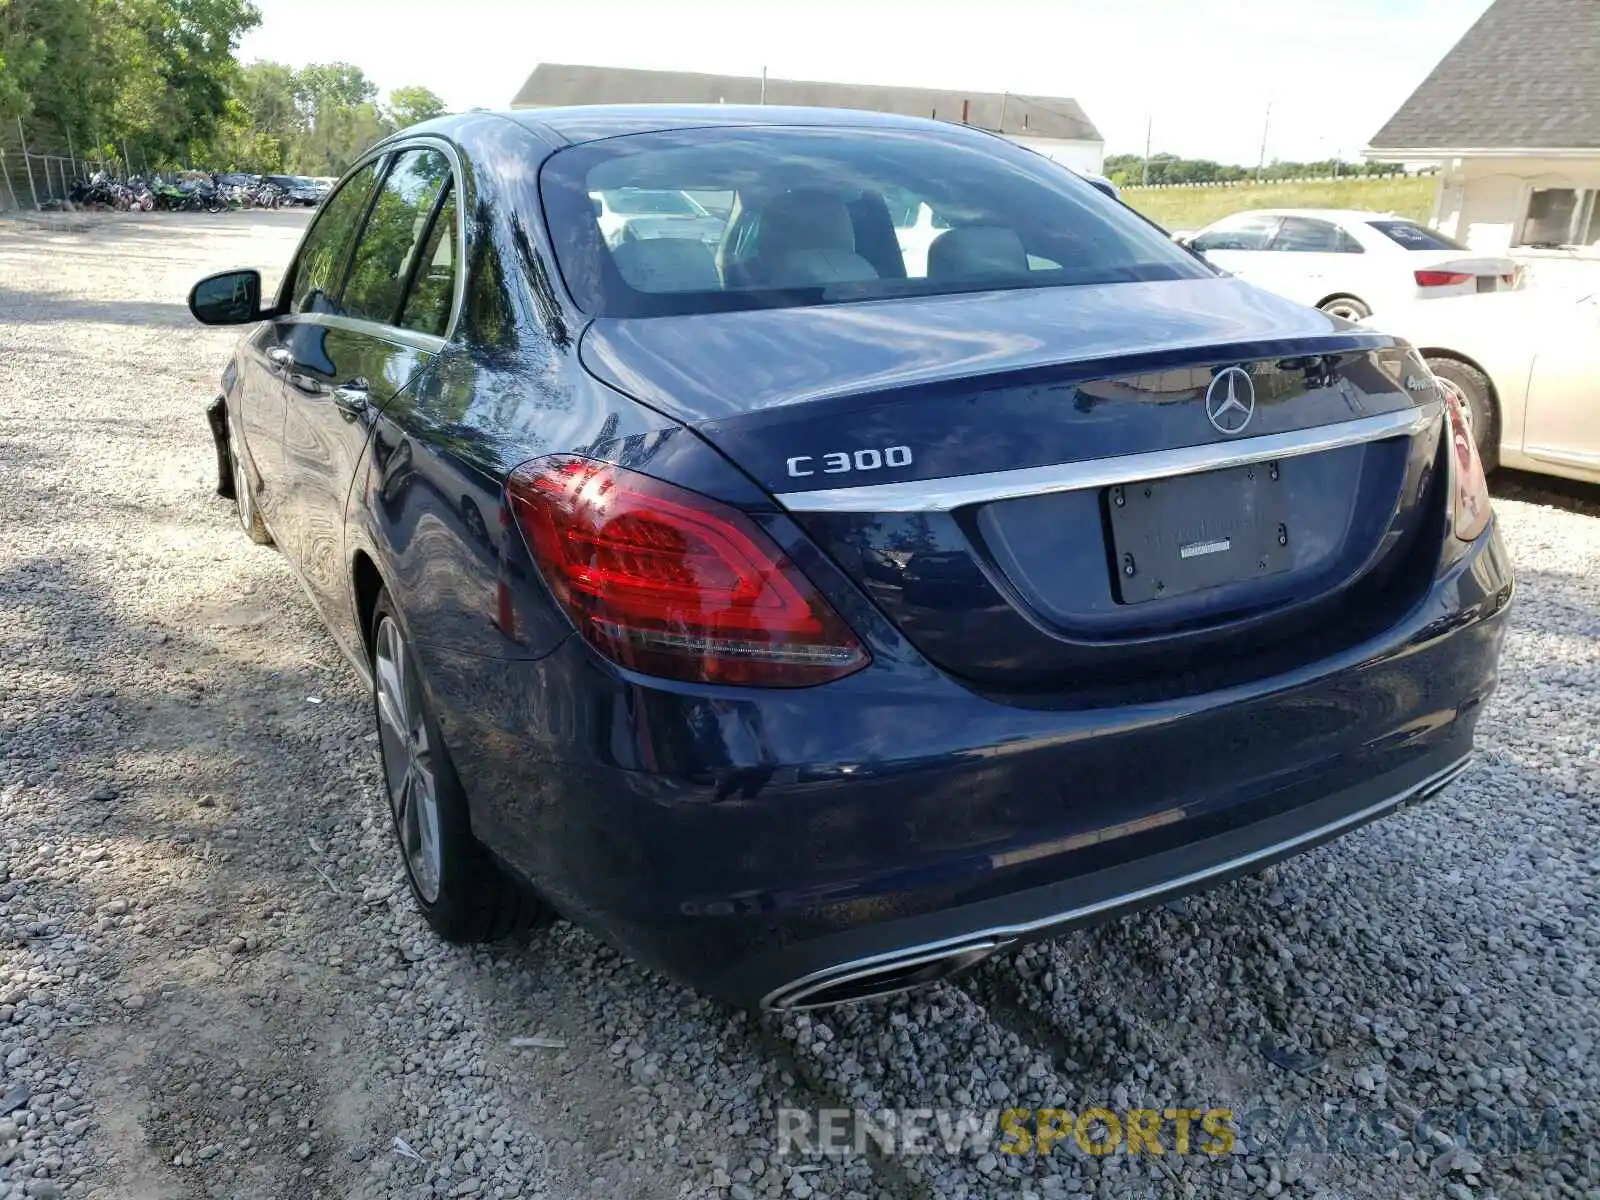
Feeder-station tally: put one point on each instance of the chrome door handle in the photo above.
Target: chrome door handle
(353, 398)
(280, 356)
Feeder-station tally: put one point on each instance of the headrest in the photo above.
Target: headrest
(667, 264)
(804, 220)
(976, 252)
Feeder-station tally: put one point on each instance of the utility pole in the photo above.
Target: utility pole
(1144, 174)
(1005, 100)
(1266, 125)
(763, 85)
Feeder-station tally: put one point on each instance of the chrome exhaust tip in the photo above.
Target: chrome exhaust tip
(886, 975)
(1444, 779)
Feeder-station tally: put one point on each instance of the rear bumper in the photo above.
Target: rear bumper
(973, 932)
(746, 842)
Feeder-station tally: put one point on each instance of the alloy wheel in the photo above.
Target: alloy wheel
(408, 763)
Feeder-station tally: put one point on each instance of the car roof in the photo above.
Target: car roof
(590, 122)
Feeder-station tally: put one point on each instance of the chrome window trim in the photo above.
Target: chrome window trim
(952, 492)
(426, 342)
(997, 937)
(421, 141)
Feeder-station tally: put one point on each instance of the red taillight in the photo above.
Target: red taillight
(1471, 514)
(672, 583)
(1443, 278)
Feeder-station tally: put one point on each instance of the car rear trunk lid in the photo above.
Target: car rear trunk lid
(1050, 489)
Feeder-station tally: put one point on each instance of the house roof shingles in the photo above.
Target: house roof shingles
(1023, 116)
(1525, 76)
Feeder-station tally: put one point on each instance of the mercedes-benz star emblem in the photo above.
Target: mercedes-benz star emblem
(1231, 400)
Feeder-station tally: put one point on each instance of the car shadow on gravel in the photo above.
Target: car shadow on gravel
(1568, 494)
(39, 308)
(136, 793)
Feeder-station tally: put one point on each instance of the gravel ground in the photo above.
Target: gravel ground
(212, 982)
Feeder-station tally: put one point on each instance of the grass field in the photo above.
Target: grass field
(1192, 208)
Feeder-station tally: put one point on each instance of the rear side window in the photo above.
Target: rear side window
(823, 215)
(327, 246)
(1308, 236)
(433, 287)
(1415, 237)
(392, 241)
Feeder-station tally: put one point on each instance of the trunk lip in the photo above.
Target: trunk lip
(717, 369)
(961, 491)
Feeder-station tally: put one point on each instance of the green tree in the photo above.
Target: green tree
(336, 101)
(413, 105)
(24, 49)
(328, 87)
(263, 124)
(156, 73)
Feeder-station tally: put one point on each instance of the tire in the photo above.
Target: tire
(244, 490)
(1477, 403)
(463, 894)
(1347, 307)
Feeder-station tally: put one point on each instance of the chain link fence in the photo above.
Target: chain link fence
(38, 171)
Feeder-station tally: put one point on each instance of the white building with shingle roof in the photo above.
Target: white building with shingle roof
(1055, 126)
(1512, 117)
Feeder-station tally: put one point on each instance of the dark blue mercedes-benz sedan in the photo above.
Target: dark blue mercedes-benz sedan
(813, 611)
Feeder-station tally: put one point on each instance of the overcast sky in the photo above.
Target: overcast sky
(1203, 70)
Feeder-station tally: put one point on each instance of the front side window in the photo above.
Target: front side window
(392, 239)
(1244, 232)
(1412, 236)
(320, 268)
(821, 216)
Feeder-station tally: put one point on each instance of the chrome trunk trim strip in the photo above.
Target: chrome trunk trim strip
(943, 495)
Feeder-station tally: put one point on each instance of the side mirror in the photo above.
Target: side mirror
(231, 298)
(1101, 184)
(598, 205)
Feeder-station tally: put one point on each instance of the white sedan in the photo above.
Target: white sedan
(1346, 262)
(1526, 367)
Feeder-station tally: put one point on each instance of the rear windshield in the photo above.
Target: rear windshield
(1415, 237)
(806, 216)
